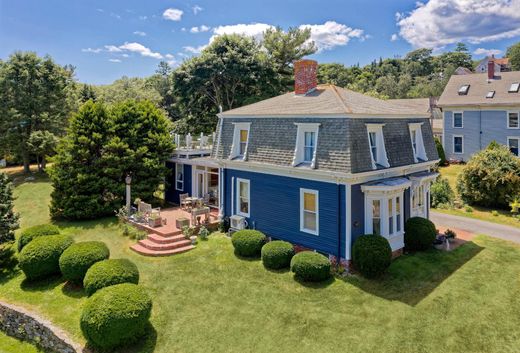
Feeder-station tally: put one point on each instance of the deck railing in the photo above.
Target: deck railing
(195, 142)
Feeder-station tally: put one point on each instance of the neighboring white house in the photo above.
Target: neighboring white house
(501, 65)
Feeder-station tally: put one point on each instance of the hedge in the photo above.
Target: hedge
(109, 272)
(277, 254)
(77, 259)
(419, 234)
(36, 231)
(371, 255)
(310, 266)
(248, 243)
(116, 315)
(40, 258)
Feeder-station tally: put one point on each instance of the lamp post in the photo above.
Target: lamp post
(128, 181)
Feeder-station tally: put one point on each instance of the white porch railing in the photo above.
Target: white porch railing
(195, 142)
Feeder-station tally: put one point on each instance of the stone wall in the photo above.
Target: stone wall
(20, 323)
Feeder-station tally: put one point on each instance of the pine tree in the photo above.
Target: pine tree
(8, 218)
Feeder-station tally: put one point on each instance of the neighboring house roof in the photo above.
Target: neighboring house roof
(328, 100)
(420, 105)
(502, 61)
(463, 71)
(479, 87)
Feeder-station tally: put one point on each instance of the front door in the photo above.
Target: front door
(420, 199)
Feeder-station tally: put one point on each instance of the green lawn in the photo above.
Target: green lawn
(13, 345)
(208, 300)
(504, 216)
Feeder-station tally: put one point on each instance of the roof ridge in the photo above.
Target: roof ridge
(336, 93)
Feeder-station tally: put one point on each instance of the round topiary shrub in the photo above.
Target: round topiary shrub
(109, 272)
(277, 254)
(37, 231)
(116, 315)
(371, 255)
(77, 259)
(40, 258)
(310, 266)
(419, 234)
(247, 242)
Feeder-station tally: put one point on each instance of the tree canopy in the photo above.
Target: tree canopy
(513, 53)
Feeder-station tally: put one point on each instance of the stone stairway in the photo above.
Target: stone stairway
(163, 244)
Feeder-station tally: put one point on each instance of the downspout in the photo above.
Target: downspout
(338, 257)
(480, 128)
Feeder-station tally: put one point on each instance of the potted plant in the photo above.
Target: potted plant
(188, 233)
(154, 220)
(450, 235)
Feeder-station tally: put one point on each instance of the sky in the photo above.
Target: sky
(105, 40)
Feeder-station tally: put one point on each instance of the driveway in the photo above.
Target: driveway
(476, 226)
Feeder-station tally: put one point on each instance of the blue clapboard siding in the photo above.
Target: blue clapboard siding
(171, 194)
(275, 209)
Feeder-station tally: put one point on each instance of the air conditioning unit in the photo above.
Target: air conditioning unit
(237, 222)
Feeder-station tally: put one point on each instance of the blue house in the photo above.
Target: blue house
(317, 167)
(479, 109)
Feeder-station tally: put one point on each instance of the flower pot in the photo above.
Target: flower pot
(193, 239)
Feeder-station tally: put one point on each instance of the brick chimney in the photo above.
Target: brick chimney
(305, 79)
(491, 69)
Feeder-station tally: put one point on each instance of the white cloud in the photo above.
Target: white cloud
(394, 37)
(194, 50)
(125, 55)
(112, 49)
(115, 15)
(172, 14)
(140, 49)
(196, 9)
(441, 22)
(140, 33)
(143, 18)
(200, 29)
(255, 30)
(331, 34)
(92, 50)
(183, 29)
(487, 52)
(100, 10)
(169, 56)
(114, 60)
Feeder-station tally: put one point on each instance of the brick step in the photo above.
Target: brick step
(156, 238)
(164, 233)
(150, 244)
(138, 248)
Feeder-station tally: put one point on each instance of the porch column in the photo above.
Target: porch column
(221, 193)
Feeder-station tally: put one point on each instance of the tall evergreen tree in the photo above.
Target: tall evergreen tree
(8, 218)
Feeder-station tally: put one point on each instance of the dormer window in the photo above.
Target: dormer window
(419, 153)
(377, 146)
(514, 87)
(463, 90)
(490, 94)
(240, 141)
(306, 144)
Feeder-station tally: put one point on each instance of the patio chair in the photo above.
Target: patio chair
(206, 199)
(183, 198)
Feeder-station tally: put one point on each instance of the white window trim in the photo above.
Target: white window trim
(382, 158)
(420, 151)
(507, 120)
(183, 176)
(453, 144)
(514, 138)
(453, 119)
(235, 147)
(302, 228)
(299, 150)
(239, 180)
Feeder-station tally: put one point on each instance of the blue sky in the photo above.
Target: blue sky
(105, 40)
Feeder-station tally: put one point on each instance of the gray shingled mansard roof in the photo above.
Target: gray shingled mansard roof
(479, 87)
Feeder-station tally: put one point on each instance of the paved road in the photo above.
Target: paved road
(476, 226)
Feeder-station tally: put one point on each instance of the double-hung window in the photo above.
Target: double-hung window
(376, 144)
(372, 138)
(458, 120)
(309, 211)
(240, 141)
(306, 145)
(419, 152)
(243, 141)
(179, 177)
(458, 144)
(513, 144)
(309, 145)
(512, 120)
(243, 197)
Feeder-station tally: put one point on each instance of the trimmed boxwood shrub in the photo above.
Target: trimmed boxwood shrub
(40, 258)
(310, 266)
(277, 254)
(419, 234)
(248, 242)
(109, 272)
(371, 255)
(37, 231)
(116, 315)
(77, 259)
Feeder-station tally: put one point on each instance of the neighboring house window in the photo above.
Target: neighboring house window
(513, 143)
(458, 144)
(377, 145)
(240, 141)
(179, 176)
(243, 197)
(306, 144)
(309, 211)
(419, 153)
(512, 120)
(458, 120)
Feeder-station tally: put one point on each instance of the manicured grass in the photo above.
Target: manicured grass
(208, 300)
(12, 345)
(504, 217)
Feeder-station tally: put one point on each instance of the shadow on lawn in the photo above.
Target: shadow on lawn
(42, 285)
(412, 277)
(73, 290)
(145, 344)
